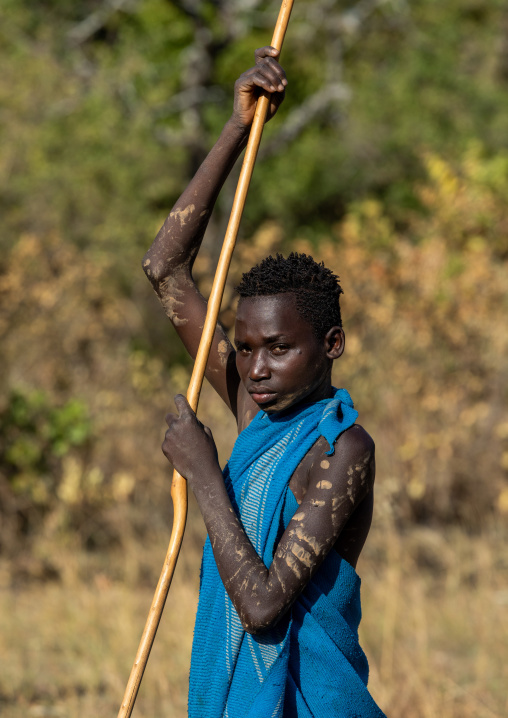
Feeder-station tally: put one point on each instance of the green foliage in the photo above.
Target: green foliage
(431, 79)
(34, 436)
(101, 131)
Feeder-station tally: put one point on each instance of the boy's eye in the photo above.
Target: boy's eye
(242, 349)
(279, 349)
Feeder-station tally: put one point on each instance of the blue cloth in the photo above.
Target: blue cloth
(310, 664)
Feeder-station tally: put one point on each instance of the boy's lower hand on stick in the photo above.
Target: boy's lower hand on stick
(189, 445)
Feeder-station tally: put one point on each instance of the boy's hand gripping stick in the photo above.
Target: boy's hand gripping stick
(179, 485)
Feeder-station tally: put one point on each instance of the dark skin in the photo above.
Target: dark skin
(279, 362)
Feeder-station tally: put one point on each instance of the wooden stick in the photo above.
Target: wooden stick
(179, 485)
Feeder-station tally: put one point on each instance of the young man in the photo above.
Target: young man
(276, 630)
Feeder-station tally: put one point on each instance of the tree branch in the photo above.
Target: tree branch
(97, 20)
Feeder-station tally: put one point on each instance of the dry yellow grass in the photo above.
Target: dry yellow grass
(435, 630)
(67, 649)
(435, 623)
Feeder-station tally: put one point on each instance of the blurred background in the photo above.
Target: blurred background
(389, 161)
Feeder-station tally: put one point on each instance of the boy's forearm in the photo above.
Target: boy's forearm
(179, 238)
(243, 573)
(257, 596)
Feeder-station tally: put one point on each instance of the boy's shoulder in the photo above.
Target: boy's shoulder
(352, 446)
(352, 461)
(355, 440)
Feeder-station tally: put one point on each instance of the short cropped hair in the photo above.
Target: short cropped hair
(316, 288)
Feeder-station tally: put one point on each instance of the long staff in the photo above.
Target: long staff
(179, 484)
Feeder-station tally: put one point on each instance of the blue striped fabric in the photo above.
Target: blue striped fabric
(310, 664)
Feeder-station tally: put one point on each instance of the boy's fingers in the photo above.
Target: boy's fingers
(273, 72)
(268, 79)
(270, 62)
(169, 419)
(183, 406)
(266, 51)
(261, 80)
(266, 74)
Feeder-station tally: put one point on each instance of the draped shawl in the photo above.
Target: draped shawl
(310, 663)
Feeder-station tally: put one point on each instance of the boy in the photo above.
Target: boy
(276, 630)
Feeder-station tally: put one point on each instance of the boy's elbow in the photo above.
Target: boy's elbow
(149, 268)
(155, 270)
(160, 270)
(258, 619)
(255, 628)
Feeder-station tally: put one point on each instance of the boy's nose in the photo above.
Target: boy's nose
(258, 368)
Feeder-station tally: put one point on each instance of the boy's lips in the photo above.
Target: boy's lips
(261, 394)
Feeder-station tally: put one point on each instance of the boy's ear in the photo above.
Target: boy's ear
(335, 341)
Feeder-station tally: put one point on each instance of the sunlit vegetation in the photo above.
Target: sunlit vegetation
(389, 161)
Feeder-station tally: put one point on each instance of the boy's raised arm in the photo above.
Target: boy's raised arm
(169, 261)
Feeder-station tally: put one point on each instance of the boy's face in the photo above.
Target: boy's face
(279, 358)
